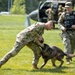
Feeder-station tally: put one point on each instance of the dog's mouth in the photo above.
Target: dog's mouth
(44, 49)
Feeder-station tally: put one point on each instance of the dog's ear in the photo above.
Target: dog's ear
(46, 47)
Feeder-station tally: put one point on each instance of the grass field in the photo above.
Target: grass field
(21, 63)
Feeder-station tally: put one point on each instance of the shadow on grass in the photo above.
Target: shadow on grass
(53, 70)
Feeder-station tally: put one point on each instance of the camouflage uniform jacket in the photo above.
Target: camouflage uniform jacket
(62, 19)
(31, 33)
(61, 9)
(50, 13)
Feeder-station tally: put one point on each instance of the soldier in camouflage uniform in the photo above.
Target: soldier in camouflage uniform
(60, 10)
(29, 37)
(50, 14)
(66, 23)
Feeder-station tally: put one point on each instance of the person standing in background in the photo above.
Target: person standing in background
(66, 23)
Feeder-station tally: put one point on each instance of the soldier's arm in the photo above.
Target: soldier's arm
(37, 32)
(61, 21)
(39, 41)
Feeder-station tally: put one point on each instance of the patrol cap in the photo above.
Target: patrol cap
(68, 4)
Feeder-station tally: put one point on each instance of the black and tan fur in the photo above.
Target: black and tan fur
(54, 53)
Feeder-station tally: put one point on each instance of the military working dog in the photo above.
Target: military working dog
(54, 53)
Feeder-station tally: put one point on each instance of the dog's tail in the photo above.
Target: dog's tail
(70, 56)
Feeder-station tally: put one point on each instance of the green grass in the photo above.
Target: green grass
(21, 63)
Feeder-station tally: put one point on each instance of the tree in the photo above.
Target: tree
(24, 6)
(31, 5)
(18, 7)
(3, 5)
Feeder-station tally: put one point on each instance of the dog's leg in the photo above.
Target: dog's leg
(45, 61)
(61, 62)
(53, 62)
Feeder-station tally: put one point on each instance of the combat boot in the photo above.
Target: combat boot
(0, 64)
(67, 61)
(34, 66)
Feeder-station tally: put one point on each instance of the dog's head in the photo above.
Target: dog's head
(46, 49)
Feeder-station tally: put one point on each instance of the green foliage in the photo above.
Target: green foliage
(18, 7)
(3, 5)
(31, 5)
(10, 26)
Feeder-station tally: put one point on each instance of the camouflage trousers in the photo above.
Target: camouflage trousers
(69, 41)
(17, 47)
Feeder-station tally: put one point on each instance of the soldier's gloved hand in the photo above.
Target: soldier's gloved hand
(41, 39)
(63, 29)
(73, 26)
